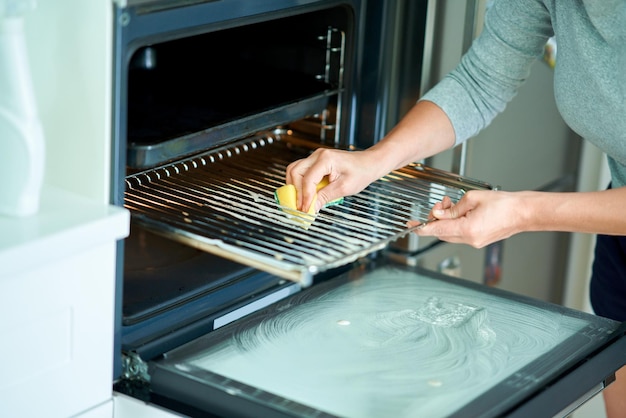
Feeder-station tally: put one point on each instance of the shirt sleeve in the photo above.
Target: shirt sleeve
(495, 66)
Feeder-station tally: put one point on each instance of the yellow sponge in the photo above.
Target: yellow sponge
(286, 196)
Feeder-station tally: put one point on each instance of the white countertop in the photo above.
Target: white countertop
(65, 225)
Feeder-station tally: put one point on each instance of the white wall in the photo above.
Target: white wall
(70, 53)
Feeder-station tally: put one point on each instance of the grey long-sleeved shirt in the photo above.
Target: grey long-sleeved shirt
(590, 73)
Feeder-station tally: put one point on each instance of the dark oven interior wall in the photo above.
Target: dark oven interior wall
(193, 83)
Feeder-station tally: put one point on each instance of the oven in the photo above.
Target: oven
(228, 304)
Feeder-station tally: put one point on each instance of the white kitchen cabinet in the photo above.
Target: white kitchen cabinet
(57, 268)
(126, 407)
(57, 272)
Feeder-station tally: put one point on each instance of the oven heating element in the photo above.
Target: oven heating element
(223, 202)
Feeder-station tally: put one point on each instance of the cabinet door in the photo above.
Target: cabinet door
(56, 322)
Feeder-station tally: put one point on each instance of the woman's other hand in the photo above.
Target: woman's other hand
(478, 219)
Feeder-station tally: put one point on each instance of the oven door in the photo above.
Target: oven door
(391, 340)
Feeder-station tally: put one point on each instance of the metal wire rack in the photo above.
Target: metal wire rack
(223, 202)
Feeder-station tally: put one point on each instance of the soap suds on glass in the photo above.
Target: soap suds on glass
(416, 346)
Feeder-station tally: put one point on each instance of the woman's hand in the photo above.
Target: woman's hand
(478, 219)
(348, 173)
(482, 217)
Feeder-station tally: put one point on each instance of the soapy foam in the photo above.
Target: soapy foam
(391, 344)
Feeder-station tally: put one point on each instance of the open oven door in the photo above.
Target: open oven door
(392, 340)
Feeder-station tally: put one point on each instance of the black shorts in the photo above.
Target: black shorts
(608, 278)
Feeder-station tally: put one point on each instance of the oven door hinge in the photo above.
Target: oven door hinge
(134, 368)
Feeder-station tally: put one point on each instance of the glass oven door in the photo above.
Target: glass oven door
(391, 340)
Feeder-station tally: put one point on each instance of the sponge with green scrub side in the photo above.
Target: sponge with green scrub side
(286, 196)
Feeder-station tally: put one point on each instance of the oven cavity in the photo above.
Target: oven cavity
(189, 94)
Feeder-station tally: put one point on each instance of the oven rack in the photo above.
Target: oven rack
(223, 202)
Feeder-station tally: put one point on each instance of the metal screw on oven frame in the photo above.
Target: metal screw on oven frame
(124, 19)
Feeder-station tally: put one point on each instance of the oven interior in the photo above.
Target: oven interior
(193, 93)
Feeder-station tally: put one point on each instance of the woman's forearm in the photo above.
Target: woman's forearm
(602, 212)
(424, 131)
